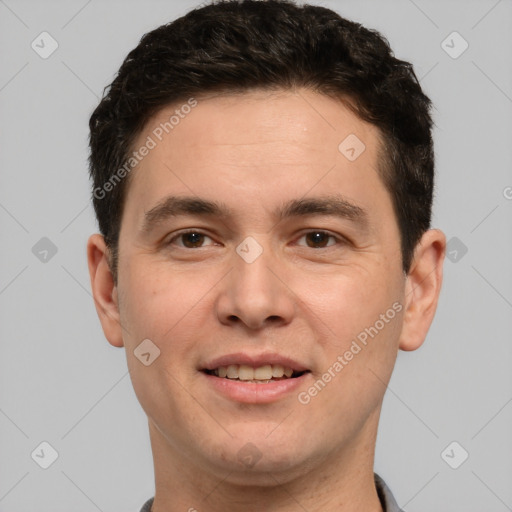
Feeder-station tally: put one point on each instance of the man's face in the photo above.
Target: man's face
(297, 293)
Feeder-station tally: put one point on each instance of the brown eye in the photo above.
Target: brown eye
(190, 239)
(318, 239)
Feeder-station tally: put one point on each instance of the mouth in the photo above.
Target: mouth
(254, 379)
(264, 374)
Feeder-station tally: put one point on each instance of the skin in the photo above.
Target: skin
(302, 300)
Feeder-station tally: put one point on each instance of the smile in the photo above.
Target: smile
(254, 378)
(262, 374)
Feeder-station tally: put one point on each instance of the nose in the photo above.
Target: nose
(255, 293)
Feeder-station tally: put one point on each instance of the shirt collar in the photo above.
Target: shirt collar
(386, 497)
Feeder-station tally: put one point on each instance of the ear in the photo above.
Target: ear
(422, 289)
(103, 289)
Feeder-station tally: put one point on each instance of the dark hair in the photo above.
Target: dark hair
(236, 46)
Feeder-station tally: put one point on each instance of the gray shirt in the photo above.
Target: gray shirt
(386, 498)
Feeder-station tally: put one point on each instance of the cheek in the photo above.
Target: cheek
(158, 302)
(157, 308)
(346, 302)
(356, 365)
(174, 310)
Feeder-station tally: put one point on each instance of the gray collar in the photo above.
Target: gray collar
(386, 497)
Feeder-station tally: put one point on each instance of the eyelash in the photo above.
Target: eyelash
(339, 241)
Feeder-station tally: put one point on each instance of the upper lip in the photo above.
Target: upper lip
(254, 360)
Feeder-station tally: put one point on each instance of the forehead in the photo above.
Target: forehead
(274, 118)
(256, 146)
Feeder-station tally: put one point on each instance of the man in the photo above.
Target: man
(263, 180)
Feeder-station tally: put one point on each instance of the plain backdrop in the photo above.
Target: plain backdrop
(63, 384)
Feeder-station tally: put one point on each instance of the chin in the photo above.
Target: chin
(249, 457)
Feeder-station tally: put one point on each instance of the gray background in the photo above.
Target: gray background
(60, 380)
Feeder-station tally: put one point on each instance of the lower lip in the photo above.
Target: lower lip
(253, 393)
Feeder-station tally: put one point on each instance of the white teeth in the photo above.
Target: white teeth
(245, 372)
(263, 372)
(277, 370)
(232, 371)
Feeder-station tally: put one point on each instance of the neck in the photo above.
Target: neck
(339, 481)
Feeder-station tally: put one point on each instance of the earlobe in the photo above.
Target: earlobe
(423, 286)
(103, 289)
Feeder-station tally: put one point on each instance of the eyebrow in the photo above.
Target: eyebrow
(332, 205)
